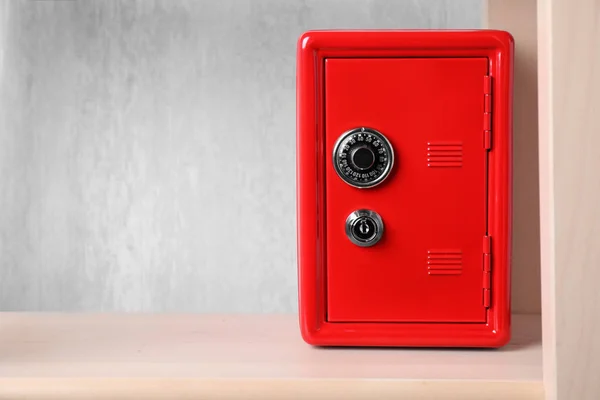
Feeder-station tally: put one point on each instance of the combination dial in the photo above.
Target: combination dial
(363, 157)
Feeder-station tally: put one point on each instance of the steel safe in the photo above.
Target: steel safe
(404, 187)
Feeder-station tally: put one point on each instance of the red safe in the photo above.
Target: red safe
(404, 187)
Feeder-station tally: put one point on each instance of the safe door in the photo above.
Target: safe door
(404, 142)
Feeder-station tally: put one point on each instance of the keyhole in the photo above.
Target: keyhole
(363, 228)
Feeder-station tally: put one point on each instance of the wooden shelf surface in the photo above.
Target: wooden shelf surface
(244, 356)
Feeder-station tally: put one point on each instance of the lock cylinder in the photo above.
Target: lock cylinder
(364, 228)
(363, 157)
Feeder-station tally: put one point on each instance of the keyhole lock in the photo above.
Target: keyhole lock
(364, 228)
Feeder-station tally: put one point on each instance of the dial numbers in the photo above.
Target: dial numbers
(363, 157)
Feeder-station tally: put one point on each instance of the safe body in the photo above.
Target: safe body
(404, 187)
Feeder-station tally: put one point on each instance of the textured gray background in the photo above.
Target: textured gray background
(147, 148)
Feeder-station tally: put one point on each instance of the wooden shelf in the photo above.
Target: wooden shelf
(244, 356)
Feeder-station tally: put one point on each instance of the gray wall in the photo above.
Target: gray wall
(147, 148)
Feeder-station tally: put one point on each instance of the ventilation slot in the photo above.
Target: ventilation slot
(444, 262)
(444, 154)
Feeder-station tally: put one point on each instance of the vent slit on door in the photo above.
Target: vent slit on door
(444, 154)
(444, 262)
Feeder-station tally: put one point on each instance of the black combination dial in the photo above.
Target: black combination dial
(363, 157)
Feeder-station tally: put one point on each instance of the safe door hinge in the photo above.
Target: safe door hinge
(487, 112)
(487, 270)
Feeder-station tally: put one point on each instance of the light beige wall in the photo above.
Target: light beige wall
(570, 168)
